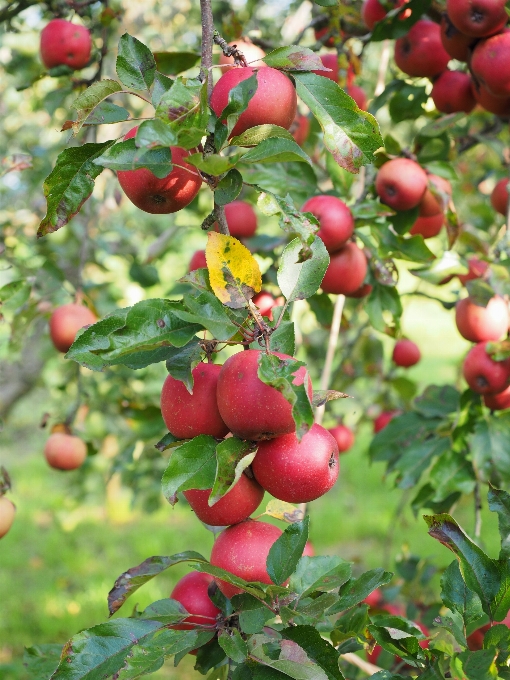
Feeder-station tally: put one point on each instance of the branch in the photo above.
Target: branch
(207, 43)
(330, 354)
(9, 12)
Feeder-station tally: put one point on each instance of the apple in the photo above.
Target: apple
(373, 656)
(297, 471)
(7, 514)
(482, 373)
(453, 92)
(241, 219)
(274, 102)
(490, 64)
(427, 226)
(336, 223)
(329, 60)
(373, 11)
(161, 196)
(192, 591)
(320, 32)
(66, 321)
(498, 402)
(475, 640)
(65, 44)
(346, 271)
(499, 196)
(375, 598)
(362, 291)
(252, 53)
(65, 451)
(406, 353)
(401, 183)
(235, 506)
(455, 43)
(436, 197)
(477, 18)
(359, 95)
(300, 128)
(197, 261)
(250, 408)
(188, 415)
(308, 550)
(500, 106)
(343, 436)
(421, 52)
(265, 303)
(479, 324)
(242, 550)
(383, 419)
(477, 270)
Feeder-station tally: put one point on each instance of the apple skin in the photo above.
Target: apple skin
(274, 102)
(236, 506)
(383, 419)
(188, 415)
(297, 471)
(453, 92)
(401, 183)
(343, 436)
(197, 261)
(477, 269)
(241, 219)
(455, 43)
(372, 11)
(500, 106)
(65, 44)
(362, 291)
(481, 324)
(483, 374)
(250, 408)
(335, 220)
(242, 550)
(253, 53)
(406, 353)
(308, 550)
(192, 592)
(499, 196)
(330, 61)
(265, 302)
(498, 402)
(66, 321)
(421, 52)
(477, 18)
(300, 128)
(475, 640)
(161, 196)
(490, 64)
(359, 95)
(434, 202)
(65, 451)
(319, 32)
(428, 227)
(346, 271)
(374, 598)
(7, 514)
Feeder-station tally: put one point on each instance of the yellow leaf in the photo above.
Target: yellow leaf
(284, 511)
(233, 272)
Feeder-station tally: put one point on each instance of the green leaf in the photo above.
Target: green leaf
(238, 99)
(479, 665)
(107, 113)
(400, 433)
(294, 58)
(397, 22)
(233, 645)
(69, 184)
(448, 264)
(286, 658)
(351, 135)
(167, 442)
(134, 578)
(458, 597)
(322, 307)
(398, 637)
(126, 156)
(383, 307)
(316, 648)
(233, 456)
(299, 280)
(293, 221)
(182, 360)
(450, 473)
(192, 466)
(135, 65)
(437, 400)
(184, 109)
(286, 551)
(437, 127)
(319, 573)
(14, 295)
(417, 458)
(88, 100)
(499, 501)
(165, 611)
(297, 181)
(228, 188)
(173, 63)
(277, 150)
(161, 85)
(154, 133)
(252, 614)
(480, 292)
(41, 660)
(252, 588)
(282, 339)
(357, 589)
(213, 164)
(260, 133)
(408, 103)
(205, 309)
(411, 248)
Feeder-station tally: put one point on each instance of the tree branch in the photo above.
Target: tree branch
(9, 12)
(330, 354)
(207, 43)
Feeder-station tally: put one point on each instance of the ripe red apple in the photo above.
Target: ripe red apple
(188, 415)
(374, 654)
(498, 402)
(490, 64)
(274, 102)
(329, 60)
(7, 514)
(192, 592)
(242, 550)
(499, 196)
(482, 373)
(383, 419)
(455, 43)
(197, 261)
(500, 106)
(65, 44)
(480, 324)
(250, 408)
(335, 220)
(346, 271)
(436, 197)
(477, 269)
(359, 95)
(343, 436)
(401, 183)
(253, 53)
(320, 32)
(265, 302)
(297, 471)
(241, 219)
(362, 291)
(475, 640)
(66, 321)
(235, 506)
(427, 226)
(477, 18)
(421, 52)
(453, 92)
(375, 598)
(372, 11)
(308, 551)
(300, 128)
(65, 451)
(161, 196)
(406, 353)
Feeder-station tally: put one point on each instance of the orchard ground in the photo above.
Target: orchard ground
(62, 550)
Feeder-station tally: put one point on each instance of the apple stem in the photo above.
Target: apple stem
(330, 354)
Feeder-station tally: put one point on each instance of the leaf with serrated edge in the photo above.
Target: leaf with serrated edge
(192, 466)
(233, 645)
(135, 65)
(286, 512)
(321, 397)
(286, 551)
(294, 58)
(259, 133)
(300, 280)
(321, 572)
(499, 501)
(88, 100)
(317, 649)
(233, 456)
(234, 273)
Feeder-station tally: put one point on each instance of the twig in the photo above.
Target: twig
(364, 666)
(8, 13)
(207, 42)
(330, 354)
(383, 67)
(478, 511)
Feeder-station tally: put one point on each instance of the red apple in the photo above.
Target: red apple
(300, 128)
(252, 53)
(241, 219)
(359, 95)
(346, 271)
(479, 324)
(453, 92)
(265, 302)
(498, 402)
(421, 52)
(197, 261)
(192, 591)
(335, 220)
(374, 599)
(455, 43)
(65, 44)
(482, 373)
(499, 196)
(477, 18)
(427, 226)
(436, 197)
(374, 654)
(242, 550)
(343, 436)
(490, 64)
(7, 514)
(383, 419)
(274, 102)
(297, 471)
(372, 11)
(329, 60)
(308, 551)
(66, 321)
(188, 415)
(65, 451)
(320, 32)
(475, 640)
(477, 269)
(362, 291)
(406, 353)
(401, 183)
(161, 196)
(500, 106)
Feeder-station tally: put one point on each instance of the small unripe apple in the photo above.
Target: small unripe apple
(300, 128)
(453, 92)
(406, 353)
(500, 106)
(242, 550)
(455, 43)
(265, 303)
(329, 60)
(66, 321)
(197, 261)
(401, 183)
(241, 219)
(250, 408)
(274, 102)
(346, 271)
(421, 52)
(7, 514)
(336, 223)
(235, 506)
(252, 53)
(161, 196)
(477, 269)
(500, 197)
(343, 436)
(65, 451)
(498, 402)
(297, 471)
(480, 324)
(65, 44)
(477, 18)
(482, 373)
(192, 591)
(383, 419)
(359, 95)
(188, 415)
(490, 64)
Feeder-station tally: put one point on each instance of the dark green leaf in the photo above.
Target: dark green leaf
(479, 665)
(126, 156)
(457, 596)
(383, 307)
(41, 660)
(165, 611)
(238, 99)
(408, 103)
(499, 501)
(229, 187)
(299, 280)
(161, 85)
(411, 248)
(88, 100)
(277, 150)
(233, 645)
(356, 589)
(168, 442)
(173, 63)
(107, 113)
(184, 109)
(144, 274)
(209, 656)
(294, 58)
(417, 457)
(283, 339)
(233, 457)
(135, 65)
(154, 133)
(316, 648)
(450, 473)
(400, 433)
(297, 180)
(252, 614)
(288, 659)
(182, 360)
(204, 308)
(437, 401)
(319, 573)
(322, 307)
(286, 551)
(192, 465)
(403, 220)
